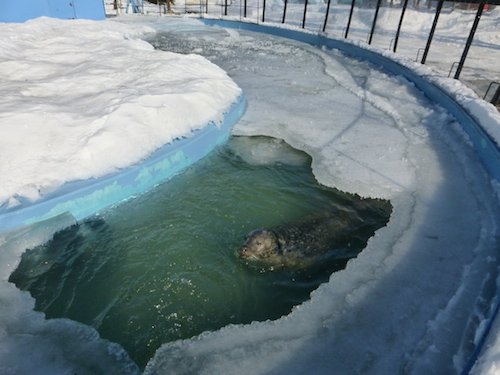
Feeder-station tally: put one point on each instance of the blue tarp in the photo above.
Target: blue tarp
(22, 10)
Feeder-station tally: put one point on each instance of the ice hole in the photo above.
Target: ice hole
(163, 267)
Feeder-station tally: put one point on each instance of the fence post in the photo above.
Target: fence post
(284, 12)
(350, 18)
(326, 15)
(399, 25)
(304, 17)
(431, 34)
(470, 39)
(374, 22)
(263, 10)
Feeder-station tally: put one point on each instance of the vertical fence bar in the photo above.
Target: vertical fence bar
(225, 7)
(470, 39)
(349, 20)
(264, 11)
(284, 12)
(431, 34)
(399, 25)
(244, 9)
(304, 17)
(374, 22)
(326, 15)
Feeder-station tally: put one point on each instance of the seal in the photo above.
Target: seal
(339, 233)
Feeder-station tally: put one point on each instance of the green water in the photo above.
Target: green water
(162, 266)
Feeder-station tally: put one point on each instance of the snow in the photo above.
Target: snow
(375, 135)
(449, 40)
(95, 96)
(412, 301)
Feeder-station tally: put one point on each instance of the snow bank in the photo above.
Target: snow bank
(452, 25)
(82, 99)
(489, 361)
(485, 113)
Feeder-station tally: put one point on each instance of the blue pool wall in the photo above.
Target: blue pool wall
(485, 147)
(85, 198)
(23, 10)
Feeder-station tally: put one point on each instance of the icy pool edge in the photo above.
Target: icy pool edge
(471, 112)
(85, 198)
(483, 143)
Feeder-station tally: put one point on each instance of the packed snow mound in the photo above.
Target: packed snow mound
(72, 111)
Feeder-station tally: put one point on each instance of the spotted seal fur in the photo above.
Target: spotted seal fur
(338, 232)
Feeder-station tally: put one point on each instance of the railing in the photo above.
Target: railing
(358, 20)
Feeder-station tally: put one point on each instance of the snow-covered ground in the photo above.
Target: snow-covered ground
(71, 90)
(411, 302)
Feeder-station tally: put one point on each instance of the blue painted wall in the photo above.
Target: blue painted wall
(23, 10)
(90, 9)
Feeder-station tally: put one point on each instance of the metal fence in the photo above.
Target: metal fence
(411, 28)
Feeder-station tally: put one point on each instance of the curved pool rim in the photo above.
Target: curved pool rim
(85, 198)
(484, 146)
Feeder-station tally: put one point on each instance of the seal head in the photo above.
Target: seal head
(260, 244)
